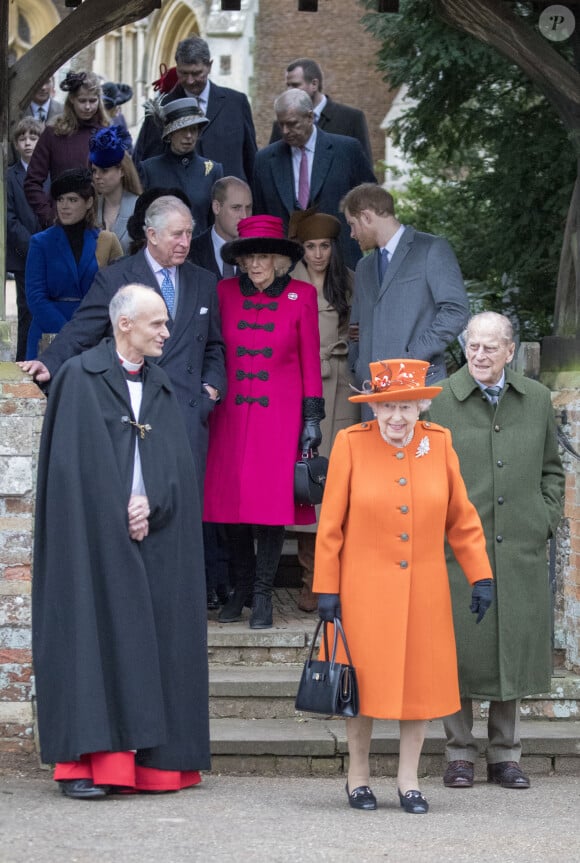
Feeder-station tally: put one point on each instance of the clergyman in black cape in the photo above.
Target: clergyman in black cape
(118, 601)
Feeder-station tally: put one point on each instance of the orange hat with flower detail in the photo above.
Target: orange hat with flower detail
(398, 380)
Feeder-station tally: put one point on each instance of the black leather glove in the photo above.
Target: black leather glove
(328, 606)
(311, 436)
(312, 414)
(481, 597)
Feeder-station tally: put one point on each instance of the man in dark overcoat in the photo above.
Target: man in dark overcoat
(118, 602)
(308, 168)
(504, 434)
(194, 356)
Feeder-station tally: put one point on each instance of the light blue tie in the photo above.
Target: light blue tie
(168, 291)
(493, 394)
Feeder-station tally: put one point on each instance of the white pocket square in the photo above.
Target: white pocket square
(204, 310)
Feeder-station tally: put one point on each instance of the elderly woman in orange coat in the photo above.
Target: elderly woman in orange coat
(393, 493)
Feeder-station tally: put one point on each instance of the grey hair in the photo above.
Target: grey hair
(193, 50)
(293, 100)
(158, 212)
(423, 404)
(125, 303)
(499, 322)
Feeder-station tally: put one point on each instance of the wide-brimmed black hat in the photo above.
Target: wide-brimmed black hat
(261, 234)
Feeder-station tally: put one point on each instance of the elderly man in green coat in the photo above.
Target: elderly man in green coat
(504, 434)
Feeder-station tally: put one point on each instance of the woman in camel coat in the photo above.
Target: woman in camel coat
(393, 492)
(323, 266)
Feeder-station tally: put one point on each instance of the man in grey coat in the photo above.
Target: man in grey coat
(409, 297)
(504, 434)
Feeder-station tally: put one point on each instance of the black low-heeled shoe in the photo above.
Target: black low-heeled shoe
(83, 789)
(361, 797)
(413, 802)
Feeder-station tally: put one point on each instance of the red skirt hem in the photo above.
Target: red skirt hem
(119, 769)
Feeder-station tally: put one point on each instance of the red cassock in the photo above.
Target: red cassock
(272, 363)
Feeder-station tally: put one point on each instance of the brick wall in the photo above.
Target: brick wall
(21, 412)
(333, 37)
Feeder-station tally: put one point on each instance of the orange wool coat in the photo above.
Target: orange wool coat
(380, 544)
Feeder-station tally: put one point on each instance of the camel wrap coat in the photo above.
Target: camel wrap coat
(380, 545)
(336, 375)
(511, 467)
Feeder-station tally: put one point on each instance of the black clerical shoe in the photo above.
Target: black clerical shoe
(508, 774)
(83, 789)
(413, 802)
(361, 798)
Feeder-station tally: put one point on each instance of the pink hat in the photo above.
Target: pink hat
(261, 234)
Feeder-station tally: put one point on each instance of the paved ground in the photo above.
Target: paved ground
(251, 819)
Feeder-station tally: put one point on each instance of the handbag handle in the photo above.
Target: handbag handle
(309, 452)
(338, 630)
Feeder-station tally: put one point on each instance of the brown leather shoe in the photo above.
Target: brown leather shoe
(508, 774)
(307, 601)
(459, 774)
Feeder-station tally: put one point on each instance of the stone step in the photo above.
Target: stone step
(306, 746)
(258, 692)
(268, 692)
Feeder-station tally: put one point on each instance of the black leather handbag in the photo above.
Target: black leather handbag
(328, 686)
(309, 477)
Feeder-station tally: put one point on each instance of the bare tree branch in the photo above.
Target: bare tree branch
(90, 21)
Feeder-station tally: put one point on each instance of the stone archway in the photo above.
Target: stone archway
(28, 22)
(174, 22)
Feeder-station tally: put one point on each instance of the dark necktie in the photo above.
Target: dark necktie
(303, 180)
(41, 115)
(383, 264)
(493, 394)
(229, 270)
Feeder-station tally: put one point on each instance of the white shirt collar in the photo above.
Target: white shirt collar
(310, 144)
(320, 107)
(500, 383)
(156, 266)
(203, 98)
(394, 241)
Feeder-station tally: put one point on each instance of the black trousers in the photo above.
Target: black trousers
(254, 569)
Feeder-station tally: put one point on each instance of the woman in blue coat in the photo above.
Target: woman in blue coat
(63, 260)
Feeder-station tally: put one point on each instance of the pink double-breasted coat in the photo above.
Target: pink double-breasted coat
(272, 363)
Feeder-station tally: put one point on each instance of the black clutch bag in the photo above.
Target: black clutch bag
(309, 477)
(327, 686)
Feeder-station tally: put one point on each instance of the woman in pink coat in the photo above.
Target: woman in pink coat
(272, 409)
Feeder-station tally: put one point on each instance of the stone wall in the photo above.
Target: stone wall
(566, 399)
(21, 411)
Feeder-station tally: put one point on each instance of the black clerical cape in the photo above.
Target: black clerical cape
(119, 627)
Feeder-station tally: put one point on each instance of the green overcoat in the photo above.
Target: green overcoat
(509, 460)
